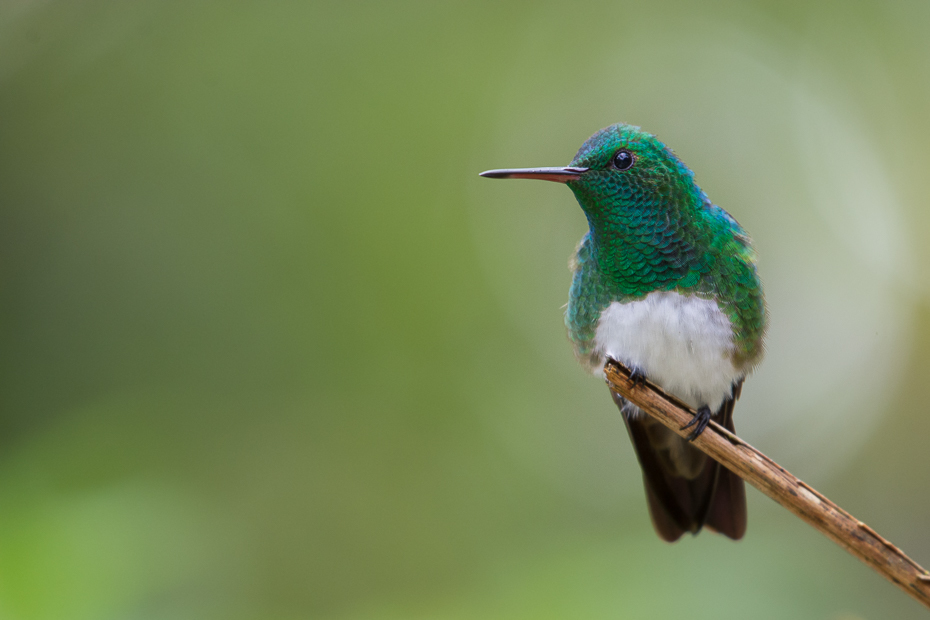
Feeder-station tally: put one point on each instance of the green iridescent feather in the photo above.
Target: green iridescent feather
(653, 229)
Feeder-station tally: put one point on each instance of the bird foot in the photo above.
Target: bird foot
(701, 419)
(637, 377)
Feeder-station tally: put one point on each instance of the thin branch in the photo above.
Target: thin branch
(769, 477)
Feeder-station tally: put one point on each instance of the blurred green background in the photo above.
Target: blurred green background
(270, 348)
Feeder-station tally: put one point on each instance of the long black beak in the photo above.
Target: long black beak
(559, 175)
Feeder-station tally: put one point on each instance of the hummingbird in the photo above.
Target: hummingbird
(664, 282)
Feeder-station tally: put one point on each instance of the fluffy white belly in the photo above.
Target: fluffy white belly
(683, 343)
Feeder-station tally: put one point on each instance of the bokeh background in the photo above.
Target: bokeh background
(270, 348)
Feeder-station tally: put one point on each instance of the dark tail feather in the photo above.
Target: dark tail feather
(727, 513)
(679, 479)
(685, 489)
(667, 527)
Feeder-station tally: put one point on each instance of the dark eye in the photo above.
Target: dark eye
(623, 160)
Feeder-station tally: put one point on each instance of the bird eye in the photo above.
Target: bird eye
(623, 160)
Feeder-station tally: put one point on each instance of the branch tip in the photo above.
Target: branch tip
(775, 481)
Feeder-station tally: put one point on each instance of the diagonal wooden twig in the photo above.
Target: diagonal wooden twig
(769, 477)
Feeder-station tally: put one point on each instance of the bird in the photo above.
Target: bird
(666, 283)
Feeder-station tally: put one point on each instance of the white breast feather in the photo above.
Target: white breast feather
(682, 343)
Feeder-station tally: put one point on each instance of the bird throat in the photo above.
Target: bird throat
(638, 256)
